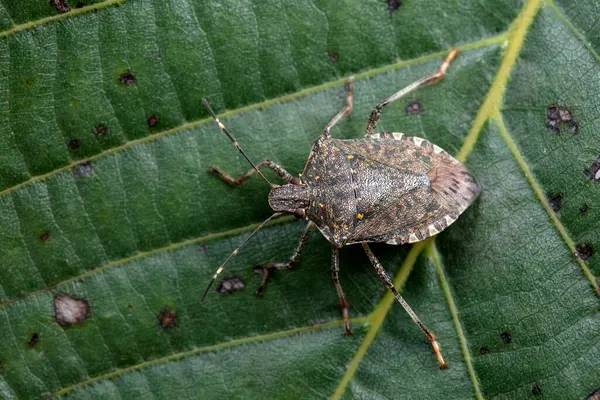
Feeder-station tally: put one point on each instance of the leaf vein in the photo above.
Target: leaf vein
(205, 349)
(497, 117)
(53, 18)
(256, 106)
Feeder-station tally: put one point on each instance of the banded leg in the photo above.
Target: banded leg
(242, 178)
(335, 269)
(385, 279)
(375, 114)
(344, 112)
(265, 270)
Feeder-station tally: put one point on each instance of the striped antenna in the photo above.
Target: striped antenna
(235, 143)
(222, 267)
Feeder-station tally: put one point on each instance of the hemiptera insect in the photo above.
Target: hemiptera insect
(386, 187)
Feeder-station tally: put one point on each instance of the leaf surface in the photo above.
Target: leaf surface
(105, 196)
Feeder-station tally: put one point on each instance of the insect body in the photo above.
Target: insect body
(386, 187)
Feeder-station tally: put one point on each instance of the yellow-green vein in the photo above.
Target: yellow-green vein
(492, 101)
(205, 349)
(497, 118)
(437, 261)
(378, 316)
(256, 106)
(144, 254)
(573, 29)
(58, 17)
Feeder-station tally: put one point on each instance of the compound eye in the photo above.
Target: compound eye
(300, 213)
(295, 181)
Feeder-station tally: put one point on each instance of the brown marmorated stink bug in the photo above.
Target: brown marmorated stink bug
(385, 187)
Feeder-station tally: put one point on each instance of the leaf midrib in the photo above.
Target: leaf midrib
(491, 103)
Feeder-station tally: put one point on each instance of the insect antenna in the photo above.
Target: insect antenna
(222, 267)
(235, 143)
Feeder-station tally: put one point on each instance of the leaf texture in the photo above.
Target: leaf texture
(105, 196)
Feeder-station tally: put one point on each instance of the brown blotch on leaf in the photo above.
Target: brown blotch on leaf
(230, 285)
(393, 5)
(69, 310)
(555, 201)
(584, 251)
(83, 169)
(536, 390)
(413, 108)
(33, 340)
(74, 144)
(559, 119)
(484, 350)
(506, 337)
(127, 79)
(333, 57)
(45, 236)
(167, 319)
(583, 209)
(60, 5)
(27, 81)
(152, 121)
(100, 130)
(593, 171)
(595, 395)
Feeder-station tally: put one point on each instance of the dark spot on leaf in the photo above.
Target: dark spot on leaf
(393, 5)
(584, 251)
(69, 310)
(506, 337)
(583, 209)
(45, 236)
(33, 340)
(230, 285)
(27, 81)
(593, 172)
(152, 121)
(536, 390)
(413, 108)
(555, 202)
(595, 395)
(167, 319)
(333, 57)
(74, 144)
(204, 248)
(60, 5)
(484, 350)
(100, 130)
(127, 78)
(1, 367)
(83, 169)
(559, 119)
(81, 4)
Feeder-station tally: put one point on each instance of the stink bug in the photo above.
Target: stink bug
(385, 187)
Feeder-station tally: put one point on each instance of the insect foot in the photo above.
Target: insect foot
(384, 187)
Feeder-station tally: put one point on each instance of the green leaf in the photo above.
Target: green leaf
(105, 196)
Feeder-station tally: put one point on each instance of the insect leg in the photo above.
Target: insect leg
(335, 269)
(344, 112)
(370, 129)
(264, 271)
(385, 279)
(241, 179)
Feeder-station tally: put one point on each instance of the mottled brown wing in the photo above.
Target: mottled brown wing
(421, 211)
